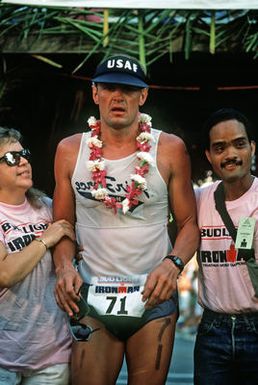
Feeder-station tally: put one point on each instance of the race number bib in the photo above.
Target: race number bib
(117, 296)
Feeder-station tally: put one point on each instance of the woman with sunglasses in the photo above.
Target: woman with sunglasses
(34, 339)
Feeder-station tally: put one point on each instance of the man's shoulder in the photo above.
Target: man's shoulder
(171, 141)
(255, 184)
(72, 138)
(70, 142)
(170, 136)
(206, 191)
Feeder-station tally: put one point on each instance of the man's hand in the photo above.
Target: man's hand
(67, 289)
(160, 284)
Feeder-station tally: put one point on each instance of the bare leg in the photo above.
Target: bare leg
(99, 360)
(148, 352)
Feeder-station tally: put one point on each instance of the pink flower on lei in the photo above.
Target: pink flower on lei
(96, 165)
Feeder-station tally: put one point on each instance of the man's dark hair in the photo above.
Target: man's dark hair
(223, 115)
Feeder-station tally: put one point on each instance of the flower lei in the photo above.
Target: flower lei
(96, 165)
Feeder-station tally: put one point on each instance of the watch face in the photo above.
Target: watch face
(178, 263)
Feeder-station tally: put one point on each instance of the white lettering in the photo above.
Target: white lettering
(111, 63)
(128, 65)
(119, 63)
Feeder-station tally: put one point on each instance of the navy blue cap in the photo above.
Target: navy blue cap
(120, 69)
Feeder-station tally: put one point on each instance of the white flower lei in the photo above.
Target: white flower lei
(96, 165)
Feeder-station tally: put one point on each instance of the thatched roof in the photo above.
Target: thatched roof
(143, 4)
(148, 34)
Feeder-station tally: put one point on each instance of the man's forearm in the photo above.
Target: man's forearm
(187, 241)
(63, 254)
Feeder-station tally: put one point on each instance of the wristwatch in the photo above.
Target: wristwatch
(177, 261)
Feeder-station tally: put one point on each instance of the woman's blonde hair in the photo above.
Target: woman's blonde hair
(10, 135)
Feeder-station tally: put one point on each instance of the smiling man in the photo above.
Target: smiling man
(117, 184)
(226, 350)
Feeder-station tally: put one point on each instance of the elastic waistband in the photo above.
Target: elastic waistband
(215, 315)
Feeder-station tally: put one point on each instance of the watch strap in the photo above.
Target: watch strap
(177, 261)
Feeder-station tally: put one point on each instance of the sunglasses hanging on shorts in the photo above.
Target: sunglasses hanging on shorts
(79, 331)
(13, 158)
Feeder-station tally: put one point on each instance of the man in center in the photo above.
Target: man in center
(118, 183)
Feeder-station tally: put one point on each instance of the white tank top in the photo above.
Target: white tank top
(118, 244)
(224, 282)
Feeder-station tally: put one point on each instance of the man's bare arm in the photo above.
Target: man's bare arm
(68, 279)
(183, 204)
(174, 165)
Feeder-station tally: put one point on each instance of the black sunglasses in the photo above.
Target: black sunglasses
(13, 158)
(79, 331)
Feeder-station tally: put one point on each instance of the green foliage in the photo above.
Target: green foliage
(147, 34)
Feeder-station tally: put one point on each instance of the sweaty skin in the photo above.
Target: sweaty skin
(119, 109)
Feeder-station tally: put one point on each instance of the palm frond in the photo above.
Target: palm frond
(147, 33)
